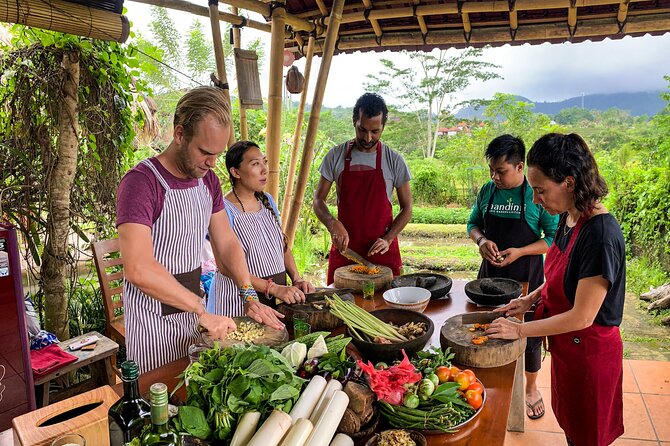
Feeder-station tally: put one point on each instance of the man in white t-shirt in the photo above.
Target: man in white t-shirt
(365, 172)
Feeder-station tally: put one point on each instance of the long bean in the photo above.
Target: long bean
(358, 319)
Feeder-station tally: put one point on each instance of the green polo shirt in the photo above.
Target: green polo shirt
(507, 204)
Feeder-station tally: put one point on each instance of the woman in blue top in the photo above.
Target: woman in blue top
(512, 234)
(254, 218)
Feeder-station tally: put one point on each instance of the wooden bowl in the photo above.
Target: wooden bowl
(390, 352)
(511, 287)
(439, 289)
(418, 438)
(368, 428)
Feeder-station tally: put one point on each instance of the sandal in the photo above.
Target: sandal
(533, 407)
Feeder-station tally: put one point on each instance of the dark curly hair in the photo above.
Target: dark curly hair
(559, 156)
(234, 157)
(371, 104)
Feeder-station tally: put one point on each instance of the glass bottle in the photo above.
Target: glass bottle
(160, 433)
(128, 416)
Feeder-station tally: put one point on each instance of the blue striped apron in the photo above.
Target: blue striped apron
(263, 244)
(156, 335)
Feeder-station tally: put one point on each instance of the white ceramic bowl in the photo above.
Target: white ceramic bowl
(407, 298)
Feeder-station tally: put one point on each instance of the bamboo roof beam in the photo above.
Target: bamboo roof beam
(420, 20)
(220, 59)
(265, 10)
(233, 19)
(635, 24)
(572, 19)
(322, 8)
(373, 20)
(310, 137)
(623, 12)
(467, 28)
(67, 17)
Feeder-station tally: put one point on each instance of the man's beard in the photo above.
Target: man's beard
(184, 162)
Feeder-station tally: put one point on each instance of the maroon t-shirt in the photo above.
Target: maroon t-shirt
(140, 196)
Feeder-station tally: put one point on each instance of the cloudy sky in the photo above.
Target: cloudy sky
(541, 72)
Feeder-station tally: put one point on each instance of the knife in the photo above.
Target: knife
(320, 293)
(353, 256)
(481, 317)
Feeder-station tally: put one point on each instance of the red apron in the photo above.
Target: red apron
(586, 365)
(366, 213)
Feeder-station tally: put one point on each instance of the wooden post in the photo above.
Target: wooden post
(237, 42)
(310, 137)
(288, 191)
(220, 58)
(273, 134)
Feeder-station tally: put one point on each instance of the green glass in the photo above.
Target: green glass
(369, 290)
(301, 326)
(128, 416)
(160, 433)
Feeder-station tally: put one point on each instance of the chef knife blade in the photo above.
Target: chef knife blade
(481, 317)
(354, 256)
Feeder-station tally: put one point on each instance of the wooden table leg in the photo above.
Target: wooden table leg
(517, 412)
(42, 394)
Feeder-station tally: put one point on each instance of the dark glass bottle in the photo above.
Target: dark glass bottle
(160, 433)
(128, 416)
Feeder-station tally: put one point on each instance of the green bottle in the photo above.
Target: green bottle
(128, 416)
(160, 433)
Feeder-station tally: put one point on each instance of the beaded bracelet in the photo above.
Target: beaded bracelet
(248, 293)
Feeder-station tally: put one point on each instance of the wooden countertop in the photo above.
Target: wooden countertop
(490, 425)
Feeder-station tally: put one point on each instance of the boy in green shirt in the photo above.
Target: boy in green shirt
(512, 234)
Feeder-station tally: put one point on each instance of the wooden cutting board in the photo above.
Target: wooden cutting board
(345, 278)
(494, 353)
(318, 312)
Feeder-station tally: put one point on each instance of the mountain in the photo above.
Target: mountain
(643, 103)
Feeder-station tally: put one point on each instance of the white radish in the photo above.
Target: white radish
(245, 429)
(310, 396)
(272, 430)
(342, 440)
(332, 387)
(325, 427)
(298, 433)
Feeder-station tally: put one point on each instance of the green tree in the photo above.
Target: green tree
(166, 37)
(428, 90)
(66, 132)
(199, 53)
(574, 116)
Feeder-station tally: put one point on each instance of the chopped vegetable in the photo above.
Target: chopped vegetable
(395, 437)
(247, 332)
(361, 269)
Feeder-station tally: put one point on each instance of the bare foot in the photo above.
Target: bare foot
(534, 404)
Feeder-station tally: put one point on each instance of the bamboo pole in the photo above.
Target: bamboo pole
(623, 11)
(181, 5)
(66, 17)
(310, 137)
(220, 59)
(288, 191)
(421, 21)
(237, 43)
(273, 134)
(373, 21)
(264, 9)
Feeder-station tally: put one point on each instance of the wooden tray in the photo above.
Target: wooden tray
(345, 278)
(494, 353)
(271, 337)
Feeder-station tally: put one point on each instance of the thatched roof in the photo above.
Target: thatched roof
(394, 25)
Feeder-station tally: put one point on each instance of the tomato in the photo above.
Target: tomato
(471, 375)
(454, 371)
(443, 373)
(463, 379)
(474, 399)
(477, 387)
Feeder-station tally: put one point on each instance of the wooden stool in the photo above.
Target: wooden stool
(101, 360)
